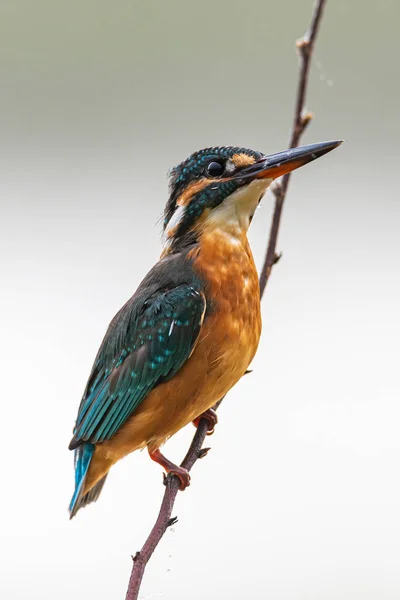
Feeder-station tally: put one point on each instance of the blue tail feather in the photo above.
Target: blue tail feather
(83, 456)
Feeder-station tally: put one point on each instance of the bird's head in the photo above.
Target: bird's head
(222, 187)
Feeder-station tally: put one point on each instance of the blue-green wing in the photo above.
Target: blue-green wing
(144, 346)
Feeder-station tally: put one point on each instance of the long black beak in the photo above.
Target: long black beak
(275, 165)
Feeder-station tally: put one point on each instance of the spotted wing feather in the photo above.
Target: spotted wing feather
(144, 346)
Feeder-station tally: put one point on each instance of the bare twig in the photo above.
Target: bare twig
(163, 521)
(301, 120)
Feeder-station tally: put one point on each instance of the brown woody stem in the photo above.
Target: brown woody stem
(302, 118)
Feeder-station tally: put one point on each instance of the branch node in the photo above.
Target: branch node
(203, 452)
(134, 558)
(303, 47)
(277, 257)
(306, 117)
(168, 478)
(172, 521)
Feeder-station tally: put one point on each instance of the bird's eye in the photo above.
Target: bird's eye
(215, 169)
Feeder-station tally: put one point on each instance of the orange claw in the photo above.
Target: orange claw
(211, 416)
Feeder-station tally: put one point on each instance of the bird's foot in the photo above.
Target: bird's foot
(181, 473)
(211, 417)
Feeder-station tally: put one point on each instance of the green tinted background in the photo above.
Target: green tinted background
(299, 497)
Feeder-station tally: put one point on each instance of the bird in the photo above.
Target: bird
(192, 328)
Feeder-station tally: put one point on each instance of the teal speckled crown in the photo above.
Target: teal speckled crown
(194, 168)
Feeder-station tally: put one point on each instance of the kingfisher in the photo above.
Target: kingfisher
(191, 329)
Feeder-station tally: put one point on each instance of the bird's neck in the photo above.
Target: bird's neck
(222, 231)
(223, 258)
(230, 236)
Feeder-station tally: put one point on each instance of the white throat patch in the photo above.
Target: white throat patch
(240, 206)
(172, 226)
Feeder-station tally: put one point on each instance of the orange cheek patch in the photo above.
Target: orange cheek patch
(195, 187)
(243, 160)
(191, 190)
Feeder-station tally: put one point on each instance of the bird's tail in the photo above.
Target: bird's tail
(83, 456)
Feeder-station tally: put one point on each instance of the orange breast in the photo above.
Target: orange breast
(233, 326)
(226, 345)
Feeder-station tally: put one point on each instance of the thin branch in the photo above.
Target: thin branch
(164, 519)
(301, 120)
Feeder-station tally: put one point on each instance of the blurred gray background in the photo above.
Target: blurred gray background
(299, 497)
